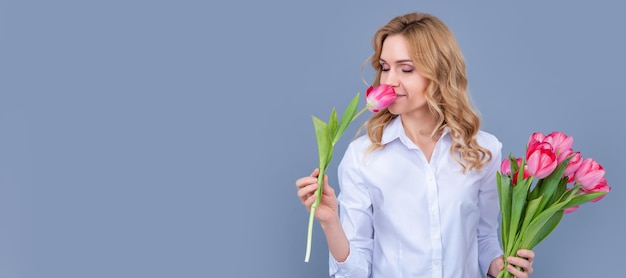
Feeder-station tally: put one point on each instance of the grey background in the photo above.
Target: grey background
(163, 138)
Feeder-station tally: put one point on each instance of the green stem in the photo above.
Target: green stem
(318, 191)
(309, 235)
(359, 113)
(508, 253)
(318, 199)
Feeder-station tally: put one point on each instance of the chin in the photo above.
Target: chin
(394, 110)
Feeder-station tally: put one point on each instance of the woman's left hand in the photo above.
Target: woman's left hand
(523, 260)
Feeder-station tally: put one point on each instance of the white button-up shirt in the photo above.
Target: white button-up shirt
(406, 217)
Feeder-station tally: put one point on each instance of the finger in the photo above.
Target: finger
(521, 262)
(309, 201)
(305, 181)
(315, 172)
(516, 272)
(528, 254)
(306, 191)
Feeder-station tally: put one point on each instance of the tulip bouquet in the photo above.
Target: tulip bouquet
(536, 190)
(328, 134)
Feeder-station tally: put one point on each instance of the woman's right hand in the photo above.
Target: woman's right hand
(328, 208)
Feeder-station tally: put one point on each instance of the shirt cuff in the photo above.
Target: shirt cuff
(346, 268)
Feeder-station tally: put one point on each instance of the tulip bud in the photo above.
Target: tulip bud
(572, 165)
(561, 144)
(380, 97)
(541, 161)
(589, 174)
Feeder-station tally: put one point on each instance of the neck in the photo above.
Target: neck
(420, 131)
(420, 127)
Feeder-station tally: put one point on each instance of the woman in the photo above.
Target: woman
(418, 195)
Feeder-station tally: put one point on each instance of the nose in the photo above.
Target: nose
(390, 78)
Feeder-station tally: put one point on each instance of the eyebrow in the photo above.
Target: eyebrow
(399, 61)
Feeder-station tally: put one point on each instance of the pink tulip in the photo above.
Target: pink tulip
(570, 210)
(505, 168)
(541, 160)
(602, 186)
(536, 137)
(536, 142)
(589, 174)
(573, 164)
(380, 97)
(538, 145)
(561, 144)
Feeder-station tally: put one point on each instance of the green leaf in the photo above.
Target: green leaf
(520, 192)
(541, 229)
(325, 150)
(520, 174)
(544, 216)
(536, 191)
(504, 192)
(530, 212)
(568, 195)
(514, 166)
(560, 191)
(346, 119)
(581, 199)
(324, 145)
(332, 123)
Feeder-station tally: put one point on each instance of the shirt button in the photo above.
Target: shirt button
(436, 262)
(435, 236)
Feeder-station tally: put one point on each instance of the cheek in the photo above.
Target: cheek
(418, 88)
(418, 81)
(383, 78)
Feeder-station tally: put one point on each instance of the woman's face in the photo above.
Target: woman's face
(399, 71)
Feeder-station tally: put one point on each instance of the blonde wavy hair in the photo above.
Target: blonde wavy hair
(437, 56)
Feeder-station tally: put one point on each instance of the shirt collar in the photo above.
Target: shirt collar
(393, 131)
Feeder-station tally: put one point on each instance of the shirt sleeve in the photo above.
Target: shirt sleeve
(355, 212)
(489, 205)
